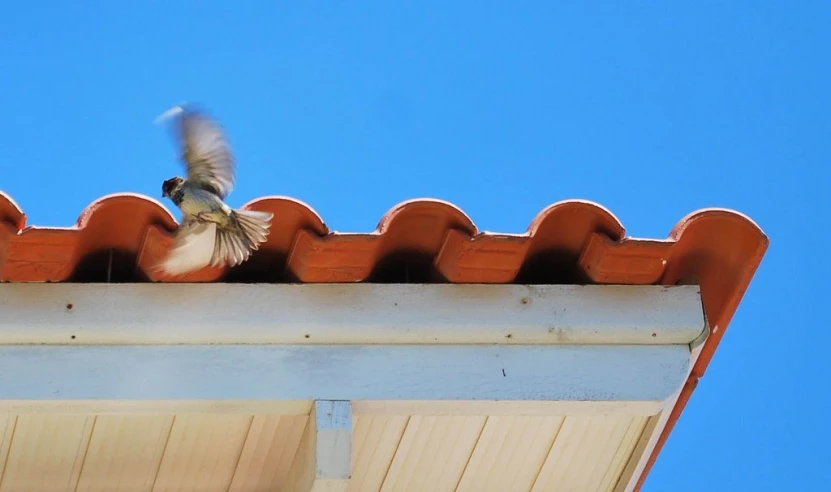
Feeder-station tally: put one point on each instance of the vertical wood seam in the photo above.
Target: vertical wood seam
(634, 422)
(164, 452)
(241, 450)
(395, 452)
(86, 451)
(472, 451)
(548, 453)
(637, 452)
(9, 451)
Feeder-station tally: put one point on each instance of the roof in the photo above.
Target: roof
(420, 241)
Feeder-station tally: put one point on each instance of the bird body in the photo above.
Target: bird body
(211, 233)
(195, 201)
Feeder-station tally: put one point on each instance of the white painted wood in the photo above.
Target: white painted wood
(348, 314)
(646, 445)
(626, 373)
(447, 408)
(323, 462)
(414, 350)
(509, 408)
(155, 407)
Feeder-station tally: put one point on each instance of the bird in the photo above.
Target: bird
(211, 232)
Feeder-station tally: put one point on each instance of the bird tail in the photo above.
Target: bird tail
(242, 236)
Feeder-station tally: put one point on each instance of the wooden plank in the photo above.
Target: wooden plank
(502, 408)
(509, 454)
(7, 425)
(624, 453)
(46, 452)
(202, 452)
(599, 374)
(323, 462)
(156, 407)
(643, 447)
(433, 453)
(268, 452)
(376, 441)
(348, 314)
(124, 453)
(582, 453)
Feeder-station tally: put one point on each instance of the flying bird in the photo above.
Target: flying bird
(211, 233)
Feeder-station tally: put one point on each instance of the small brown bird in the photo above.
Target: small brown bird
(211, 233)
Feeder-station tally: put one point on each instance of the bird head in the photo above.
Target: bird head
(171, 185)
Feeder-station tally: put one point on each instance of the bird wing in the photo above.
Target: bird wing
(206, 153)
(192, 249)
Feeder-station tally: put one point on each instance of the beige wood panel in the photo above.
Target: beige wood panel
(46, 452)
(7, 425)
(268, 452)
(433, 453)
(651, 432)
(124, 453)
(202, 452)
(582, 453)
(242, 453)
(375, 441)
(624, 453)
(509, 454)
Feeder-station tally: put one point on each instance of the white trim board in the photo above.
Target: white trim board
(387, 408)
(387, 348)
(359, 314)
(644, 376)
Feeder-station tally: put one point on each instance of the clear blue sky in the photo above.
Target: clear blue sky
(653, 110)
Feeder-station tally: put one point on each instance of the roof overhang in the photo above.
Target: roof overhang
(355, 349)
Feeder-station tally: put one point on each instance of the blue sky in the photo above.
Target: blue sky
(651, 109)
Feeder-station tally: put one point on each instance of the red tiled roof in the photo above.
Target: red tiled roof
(118, 237)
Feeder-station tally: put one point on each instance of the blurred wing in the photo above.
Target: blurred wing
(206, 153)
(192, 249)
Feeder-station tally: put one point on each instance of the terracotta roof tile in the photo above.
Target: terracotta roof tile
(119, 236)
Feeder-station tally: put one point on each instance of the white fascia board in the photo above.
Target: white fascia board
(348, 314)
(428, 349)
(344, 372)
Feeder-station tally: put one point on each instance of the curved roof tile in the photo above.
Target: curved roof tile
(118, 237)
